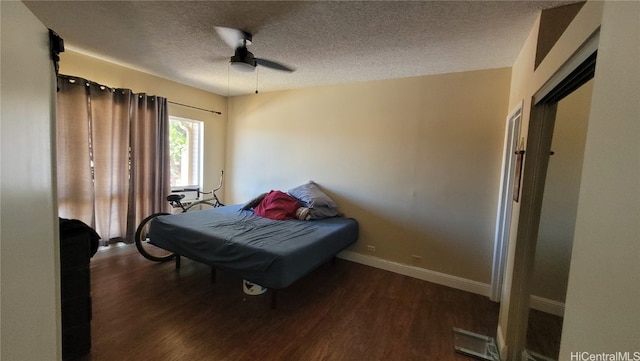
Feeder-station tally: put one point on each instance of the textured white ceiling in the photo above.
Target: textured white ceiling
(328, 42)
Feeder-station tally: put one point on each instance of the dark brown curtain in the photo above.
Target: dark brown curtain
(112, 156)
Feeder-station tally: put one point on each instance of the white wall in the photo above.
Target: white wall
(29, 250)
(603, 308)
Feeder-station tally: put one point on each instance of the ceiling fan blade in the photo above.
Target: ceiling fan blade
(233, 37)
(274, 65)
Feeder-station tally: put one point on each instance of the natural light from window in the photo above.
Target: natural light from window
(185, 144)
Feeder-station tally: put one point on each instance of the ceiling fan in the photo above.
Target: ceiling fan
(243, 59)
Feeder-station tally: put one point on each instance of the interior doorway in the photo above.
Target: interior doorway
(557, 224)
(574, 73)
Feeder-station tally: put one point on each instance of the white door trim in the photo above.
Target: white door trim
(505, 202)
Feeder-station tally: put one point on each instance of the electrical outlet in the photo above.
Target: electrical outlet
(416, 259)
(371, 248)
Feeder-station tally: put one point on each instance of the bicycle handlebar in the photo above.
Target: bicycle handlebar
(221, 179)
(198, 189)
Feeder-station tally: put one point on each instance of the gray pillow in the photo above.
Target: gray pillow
(312, 196)
(322, 212)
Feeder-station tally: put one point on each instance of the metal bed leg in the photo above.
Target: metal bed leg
(213, 274)
(177, 261)
(274, 299)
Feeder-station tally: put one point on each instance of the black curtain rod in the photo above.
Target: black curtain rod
(190, 106)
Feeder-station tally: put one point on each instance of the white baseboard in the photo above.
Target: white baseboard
(502, 346)
(546, 305)
(538, 303)
(419, 273)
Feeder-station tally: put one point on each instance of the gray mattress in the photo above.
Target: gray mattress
(270, 253)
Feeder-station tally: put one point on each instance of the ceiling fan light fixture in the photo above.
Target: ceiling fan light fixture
(242, 66)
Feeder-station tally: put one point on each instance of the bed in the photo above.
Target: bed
(270, 253)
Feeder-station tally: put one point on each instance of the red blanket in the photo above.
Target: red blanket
(278, 205)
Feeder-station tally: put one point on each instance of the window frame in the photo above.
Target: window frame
(191, 191)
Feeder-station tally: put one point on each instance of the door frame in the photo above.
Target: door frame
(505, 202)
(576, 71)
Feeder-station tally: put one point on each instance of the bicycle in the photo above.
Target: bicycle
(157, 254)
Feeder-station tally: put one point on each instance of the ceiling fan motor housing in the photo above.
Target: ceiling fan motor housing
(243, 59)
(243, 56)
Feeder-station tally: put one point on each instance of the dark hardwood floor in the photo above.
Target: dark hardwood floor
(543, 334)
(344, 311)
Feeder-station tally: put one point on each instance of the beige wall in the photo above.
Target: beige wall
(416, 161)
(112, 75)
(30, 326)
(602, 308)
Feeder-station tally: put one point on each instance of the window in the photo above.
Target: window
(185, 149)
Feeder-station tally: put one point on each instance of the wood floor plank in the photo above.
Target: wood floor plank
(544, 333)
(343, 311)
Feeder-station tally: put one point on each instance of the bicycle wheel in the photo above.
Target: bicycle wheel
(148, 250)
